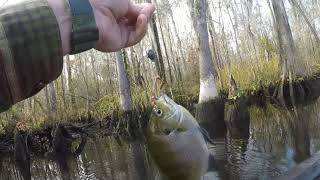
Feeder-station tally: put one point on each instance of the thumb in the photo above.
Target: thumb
(139, 31)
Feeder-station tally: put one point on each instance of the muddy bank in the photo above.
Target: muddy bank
(237, 117)
(304, 91)
(59, 137)
(234, 111)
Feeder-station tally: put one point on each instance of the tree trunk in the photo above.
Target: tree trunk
(305, 17)
(70, 83)
(287, 50)
(210, 110)
(84, 75)
(53, 98)
(285, 38)
(124, 85)
(176, 60)
(166, 53)
(235, 28)
(216, 51)
(47, 102)
(63, 90)
(154, 28)
(208, 90)
(95, 74)
(156, 60)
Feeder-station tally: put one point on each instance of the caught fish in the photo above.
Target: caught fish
(174, 117)
(177, 142)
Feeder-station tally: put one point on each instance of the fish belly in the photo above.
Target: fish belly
(180, 155)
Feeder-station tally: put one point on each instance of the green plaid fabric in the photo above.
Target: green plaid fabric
(30, 50)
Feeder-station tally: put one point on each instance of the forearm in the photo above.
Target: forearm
(62, 13)
(31, 53)
(35, 35)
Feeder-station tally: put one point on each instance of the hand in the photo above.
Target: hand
(120, 22)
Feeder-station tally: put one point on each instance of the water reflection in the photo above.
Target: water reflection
(278, 141)
(237, 119)
(21, 155)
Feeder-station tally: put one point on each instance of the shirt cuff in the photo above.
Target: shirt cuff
(31, 48)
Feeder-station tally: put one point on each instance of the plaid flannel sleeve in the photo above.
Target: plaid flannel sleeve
(30, 50)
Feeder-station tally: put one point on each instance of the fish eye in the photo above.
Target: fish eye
(158, 112)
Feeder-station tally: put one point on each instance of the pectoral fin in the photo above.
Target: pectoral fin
(206, 135)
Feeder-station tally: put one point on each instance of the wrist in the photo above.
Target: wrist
(62, 12)
(85, 33)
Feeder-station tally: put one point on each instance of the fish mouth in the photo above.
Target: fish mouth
(163, 97)
(174, 109)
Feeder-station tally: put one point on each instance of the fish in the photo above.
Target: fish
(176, 142)
(174, 117)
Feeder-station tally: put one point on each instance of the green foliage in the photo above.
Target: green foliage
(3, 124)
(251, 78)
(266, 45)
(239, 94)
(106, 106)
(316, 67)
(140, 97)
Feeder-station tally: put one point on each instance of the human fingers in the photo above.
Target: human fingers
(136, 9)
(139, 31)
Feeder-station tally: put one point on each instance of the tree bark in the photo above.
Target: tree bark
(166, 53)
(216, 51)
(53, 97)
(235, 28)
(305, 17)
(124, 85)
(95, 74)
(210, 110)
(285, 38)
(70, 83)
(63, 90)
(208, 90)
(46, 91)
(154, 28)
(176, 60)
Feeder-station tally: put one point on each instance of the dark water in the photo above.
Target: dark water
(278, 141)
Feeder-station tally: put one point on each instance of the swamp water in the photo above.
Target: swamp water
(278, 141)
